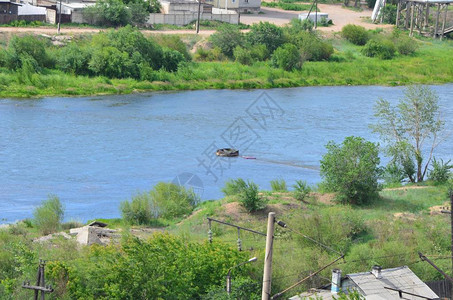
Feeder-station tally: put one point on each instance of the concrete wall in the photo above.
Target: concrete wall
(51, 16)
(186, 18)
(240, 6)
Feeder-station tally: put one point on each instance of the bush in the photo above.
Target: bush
(73, 59)
(140, 211)
(351, 170)
(406, 45)
(384, 49)
(27, 47)
(301, 190)
(48, 216)
(279, 185)
(355, 34)
(171, 59)
(440, 172)
(287, 57)
(174, 42)
(165, 200)
(250, 198)
(227, 38)
(314, 48)
(109, 13)
(242, 56)
(234, 187)
(370, 3)
(209, 55)
(267, 34)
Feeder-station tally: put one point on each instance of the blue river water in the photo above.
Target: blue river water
(94, 152)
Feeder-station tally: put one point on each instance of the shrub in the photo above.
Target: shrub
(27, 47)
(140, 211)
(109, 12)
(406, 45)
(351, 170)
(440, 172)
(279, 185)
(301, 190)
(209, 55)
(384, 49)
(267, 34)
(227, 38)
(370, 3)
(355, 34)
(174, 42)
(259, 52)
(173, 200)
(48, 216)
(250, 198)
(234, 187)
(242, 56)
(287, 57)
(73, 59)
(314, 48)
(171, 59)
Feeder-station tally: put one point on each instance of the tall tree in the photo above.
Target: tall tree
(411, 130)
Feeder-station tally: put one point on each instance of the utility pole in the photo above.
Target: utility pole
(59, 19)
(267, 275)
(451, 246)
(198, 16)
(40, 283)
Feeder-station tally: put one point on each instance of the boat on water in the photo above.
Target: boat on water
(227, 152)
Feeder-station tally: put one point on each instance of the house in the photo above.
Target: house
(240, 6)
(8, 8)
(183, 12)
(378, 284)
(12, 11)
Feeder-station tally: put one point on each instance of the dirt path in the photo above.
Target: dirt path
(339, 15)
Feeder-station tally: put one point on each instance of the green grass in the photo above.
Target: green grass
(285, 5)
(431, 64)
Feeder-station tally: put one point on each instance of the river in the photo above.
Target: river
(94, 152)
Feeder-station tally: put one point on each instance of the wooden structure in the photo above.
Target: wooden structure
(40, 283)
(428, 17)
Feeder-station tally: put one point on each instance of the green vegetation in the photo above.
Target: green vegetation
(384, 49)
(287, 6)
(234, 187)
(165, 200)
(406, 128)
(278, 185)
(355, 34)
(182, 264)
(48, 216)
(301, 190)
(351, 170)
(110, 63)
(440, 172)
(250, 197)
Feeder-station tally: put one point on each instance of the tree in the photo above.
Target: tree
(227, 38)
(267, 34)
(351, 170)
(49, 215)
(287, 57)
(410, 130)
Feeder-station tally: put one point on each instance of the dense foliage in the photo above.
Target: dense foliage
(355, 34)
(251, 199)
(48, 216)
(351, 170)
(165, 200)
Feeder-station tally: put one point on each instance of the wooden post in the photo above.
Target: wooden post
(40, 283)
(408, 10)
(420, 18)
(444, 21)
(398, 13)
(412, 20)
(267, 275)
(437, 20)
(426, 16)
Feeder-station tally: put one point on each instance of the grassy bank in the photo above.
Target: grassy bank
(431, 64)
(388, 232)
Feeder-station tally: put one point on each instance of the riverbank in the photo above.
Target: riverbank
(431, 64)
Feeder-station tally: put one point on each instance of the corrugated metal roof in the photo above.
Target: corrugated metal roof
(373, 288)
(401, 278)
